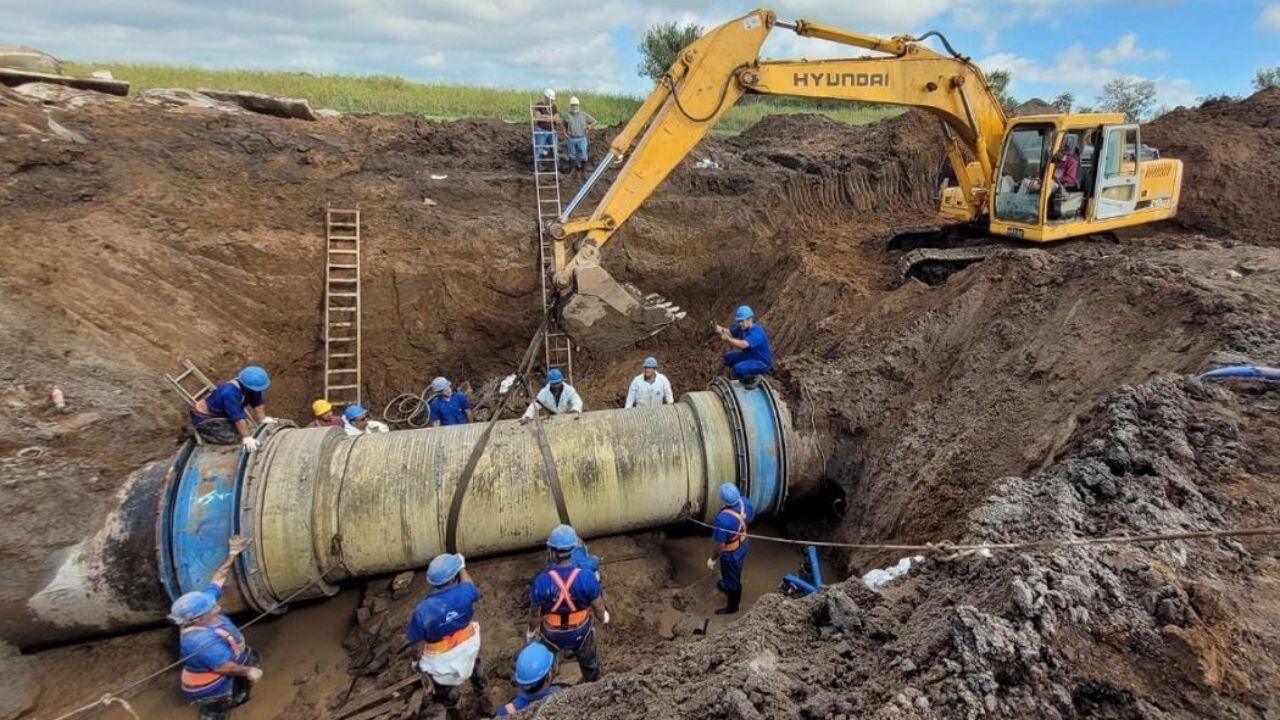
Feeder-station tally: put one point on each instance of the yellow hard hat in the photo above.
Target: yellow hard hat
(320, 407)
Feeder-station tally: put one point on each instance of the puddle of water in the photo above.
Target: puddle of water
(300, 650)
(766, 563)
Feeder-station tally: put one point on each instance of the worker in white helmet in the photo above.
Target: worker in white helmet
(576, 125)
(545, 116)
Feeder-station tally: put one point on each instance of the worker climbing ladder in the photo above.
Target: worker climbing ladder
(557, 348)
(342, 306)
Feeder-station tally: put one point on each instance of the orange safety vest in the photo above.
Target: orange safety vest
(451, 641)
(195, 680)
(564, 614)
(740, 536)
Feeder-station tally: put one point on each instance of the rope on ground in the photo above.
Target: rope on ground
(117, 696)
(960, 550)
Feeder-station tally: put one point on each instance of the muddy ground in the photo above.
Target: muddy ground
(1043, 392)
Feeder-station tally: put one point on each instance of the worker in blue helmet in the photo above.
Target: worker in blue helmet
(650, 388)
(355, 421)
(222, 417)
(534, 673)
(752, 356)
(448, 406)
(567, 605)
(730, 538)
(218, 668)
(557, 397)
(445, 636)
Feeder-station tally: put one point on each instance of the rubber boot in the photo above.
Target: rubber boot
(734, 600)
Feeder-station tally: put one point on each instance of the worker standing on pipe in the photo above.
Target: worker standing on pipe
(445, 638)
(535, 669)
(752, 356)
(556, 397)
(218, 668)
(730, 537)
(650, 388)
(566, 601)
(324, 415)
(355, 421)
(222, 416)
(448, 407)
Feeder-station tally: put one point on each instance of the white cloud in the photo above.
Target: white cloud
(1126, 49)
(434, 60)
(1270, 18)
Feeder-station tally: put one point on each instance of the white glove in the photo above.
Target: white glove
(250, 444)
(255, 674)
(268, 420)
(606, 617)
(711, 563)
(529, 635)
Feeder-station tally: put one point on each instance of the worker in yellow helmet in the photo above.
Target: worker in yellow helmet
(325, 417)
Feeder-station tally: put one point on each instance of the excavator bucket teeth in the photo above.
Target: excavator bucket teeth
(604, 314)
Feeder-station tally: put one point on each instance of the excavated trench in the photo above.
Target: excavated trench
(976, 408)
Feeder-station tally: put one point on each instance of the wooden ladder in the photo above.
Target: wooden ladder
(557, 347)
(342, 307)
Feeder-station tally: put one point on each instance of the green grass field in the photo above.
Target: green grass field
(397, 96)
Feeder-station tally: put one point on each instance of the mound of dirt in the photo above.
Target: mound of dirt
(1231, 165)
(1173, 630)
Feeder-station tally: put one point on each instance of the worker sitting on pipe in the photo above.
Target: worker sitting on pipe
(445, 638)
(535, 669)
(324, 415)
(752, 356)
(556, 397)
(730, 538)
(355, 421)
(650, 388)
(448, 406)
(221, 418)
(218, 668)
(566, 601)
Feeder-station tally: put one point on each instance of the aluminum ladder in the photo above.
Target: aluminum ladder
(557, 348)
(180, 383)
(342, 306)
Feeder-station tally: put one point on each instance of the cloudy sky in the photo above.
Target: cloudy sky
(1188, 48)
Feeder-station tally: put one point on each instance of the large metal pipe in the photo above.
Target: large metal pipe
(317, 502)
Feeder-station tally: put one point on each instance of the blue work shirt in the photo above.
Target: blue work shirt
(449, 412)
(443, 613)
(205, 649)
(545, 593)
(229, 400)
(581, 557)
(727, 526)
(757, 343)
(523, 700)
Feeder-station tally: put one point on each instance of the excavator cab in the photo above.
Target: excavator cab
(1117, 181)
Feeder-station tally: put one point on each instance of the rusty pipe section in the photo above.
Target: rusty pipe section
(323, 507)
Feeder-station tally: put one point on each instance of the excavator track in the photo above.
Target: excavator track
(933, 265)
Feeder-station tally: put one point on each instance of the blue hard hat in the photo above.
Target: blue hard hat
(744, 312)
(532, 664)
(555, 376)
(651, 362)
(191, 606)
(729, 494)
(254, 378)
(354, 412)
(562, 538)
(444, 568)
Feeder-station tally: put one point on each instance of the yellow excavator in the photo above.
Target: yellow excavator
(1004, 169)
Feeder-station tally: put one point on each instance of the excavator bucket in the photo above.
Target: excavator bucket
(604, 314)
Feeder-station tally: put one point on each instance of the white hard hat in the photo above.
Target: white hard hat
(549, 93)
(574, 101)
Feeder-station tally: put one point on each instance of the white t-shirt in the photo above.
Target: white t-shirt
(650, 394)
(373, 426)
(570, 402)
